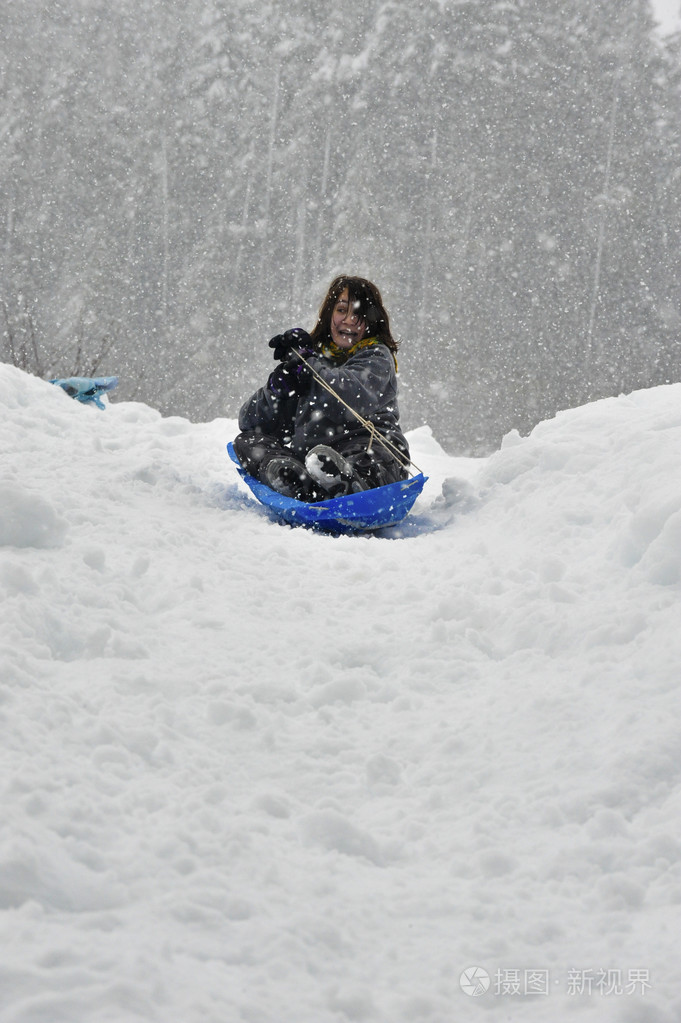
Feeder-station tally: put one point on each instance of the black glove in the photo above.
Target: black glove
(296, 338)
(289, 378)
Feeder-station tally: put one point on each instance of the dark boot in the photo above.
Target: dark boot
(289, 477)
(332, 472)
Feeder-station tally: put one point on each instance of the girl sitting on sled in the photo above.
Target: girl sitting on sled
(327, 424)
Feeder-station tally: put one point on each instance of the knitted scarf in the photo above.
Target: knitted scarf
(332, 351)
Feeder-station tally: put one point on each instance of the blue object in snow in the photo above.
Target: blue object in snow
(370, 509)
(87, 388)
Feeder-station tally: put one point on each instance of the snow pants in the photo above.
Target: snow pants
(376, 468)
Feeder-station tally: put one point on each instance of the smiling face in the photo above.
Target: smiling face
(346, 327)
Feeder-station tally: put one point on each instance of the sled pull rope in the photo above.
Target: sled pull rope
(372, 435)
(366, 423)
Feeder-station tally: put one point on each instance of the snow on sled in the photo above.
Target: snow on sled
(370, 509)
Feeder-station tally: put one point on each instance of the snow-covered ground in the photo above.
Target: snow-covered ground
(253, 773)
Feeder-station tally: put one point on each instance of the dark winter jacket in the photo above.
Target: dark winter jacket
(367, 381)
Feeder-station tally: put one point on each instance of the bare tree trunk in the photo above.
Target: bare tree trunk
(601, 233)
(268, 185)
(300, 244)
(165, 225)
(9, 230)
(244, 216)
(467, 224)
(426, 256)
(319, 240)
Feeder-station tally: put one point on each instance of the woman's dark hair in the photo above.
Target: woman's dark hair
(369, 306)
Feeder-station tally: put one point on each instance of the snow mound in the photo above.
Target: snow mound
(609, 468)
(28, 520)
(254, 773)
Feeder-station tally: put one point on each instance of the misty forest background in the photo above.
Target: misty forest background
(181, 180)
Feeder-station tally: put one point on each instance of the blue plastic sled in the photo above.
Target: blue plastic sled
(370, 509)
(87, 389)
